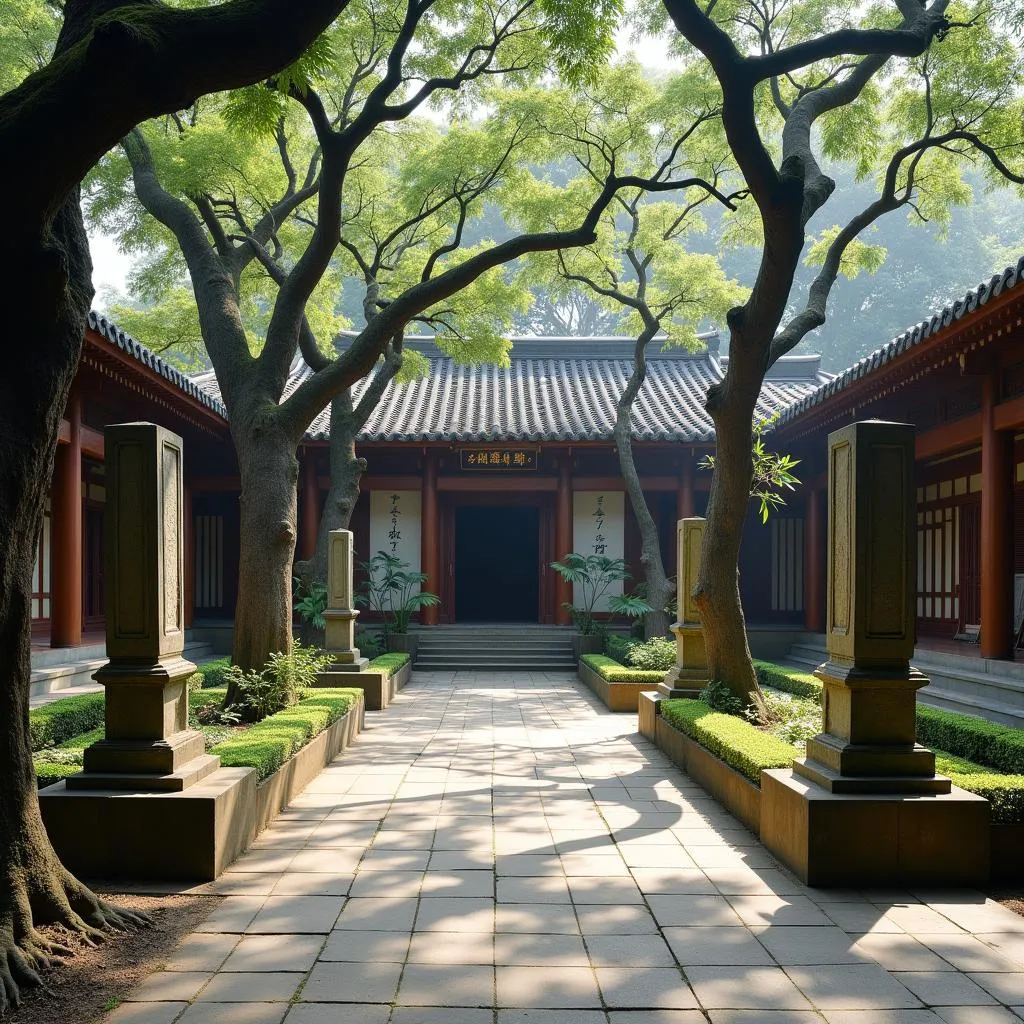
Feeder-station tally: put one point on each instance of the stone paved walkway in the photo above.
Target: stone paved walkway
(501, 849)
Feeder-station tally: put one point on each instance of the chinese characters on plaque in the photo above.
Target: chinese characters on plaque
(394, 534)
(499, 458)
(600, 540)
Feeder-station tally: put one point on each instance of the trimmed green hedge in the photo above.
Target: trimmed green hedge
(1004, 792)
(210, 674)
(266, 745)
(613, 672)
(738, 743)
(803, 684)
(984, 743)
(389, 664)
(618, 647)
(59, 720)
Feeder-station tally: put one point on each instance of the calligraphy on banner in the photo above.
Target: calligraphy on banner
(502, 459)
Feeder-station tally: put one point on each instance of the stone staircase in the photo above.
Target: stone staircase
(59, 669)
(497, 648)
(973, 686)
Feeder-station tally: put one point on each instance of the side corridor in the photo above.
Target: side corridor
(499, 849)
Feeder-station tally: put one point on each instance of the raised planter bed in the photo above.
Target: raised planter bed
(742, 798)
(379, 685)
(616, 696)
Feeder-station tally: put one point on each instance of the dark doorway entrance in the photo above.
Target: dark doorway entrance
(497, 563)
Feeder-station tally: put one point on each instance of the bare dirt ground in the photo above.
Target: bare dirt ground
(81, 989)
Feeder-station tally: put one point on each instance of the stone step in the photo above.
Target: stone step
(495, 645)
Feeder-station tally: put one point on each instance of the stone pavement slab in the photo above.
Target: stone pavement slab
(499, 849)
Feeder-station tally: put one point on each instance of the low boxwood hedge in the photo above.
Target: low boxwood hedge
(618, 647)
(803, 684)
(211, 674)
(1004, 792)
(389, 664)
(738, 743)
(59, 720)
(984, 743)
(266, 745)
(613, 672)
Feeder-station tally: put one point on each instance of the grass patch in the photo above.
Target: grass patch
(736, 742)
(390, 663)
(267, 745)
(614, 672)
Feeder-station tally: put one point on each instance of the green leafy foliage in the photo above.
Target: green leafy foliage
(997, 746)
(656, 654)
(595, 575)
(613, 672)
(389, 663)
(738, 743)
(277, 685)
(368, 642)
(211, 674)
(1004, 792)
(53, 723)
(777, 677)
(719, 697)
(618, 647)
(391, 590)
(311, 603)
(267, 745)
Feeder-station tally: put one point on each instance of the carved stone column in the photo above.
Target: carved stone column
(690, 673)
(864, 806)
(150, 804)
(148, 744)
(340, 613)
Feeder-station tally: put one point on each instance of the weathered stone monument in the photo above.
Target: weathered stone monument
(150, 803)
(340, 613)
(865, 807)
(688, 676)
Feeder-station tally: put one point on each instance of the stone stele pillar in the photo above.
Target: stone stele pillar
(340, 614)
(150, 802)
(689, 674)
(864, 806)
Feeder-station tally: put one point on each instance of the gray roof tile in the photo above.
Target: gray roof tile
(940, 319)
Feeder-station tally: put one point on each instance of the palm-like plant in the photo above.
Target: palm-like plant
(390, 590)
(595, 575)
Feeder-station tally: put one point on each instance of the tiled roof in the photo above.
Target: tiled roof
(977, 297)
(558, 390)
(102, 326)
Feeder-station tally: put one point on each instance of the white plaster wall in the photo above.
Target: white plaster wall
(405, 522)
(598, 535)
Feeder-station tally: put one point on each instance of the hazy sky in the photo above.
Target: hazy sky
(111, 267)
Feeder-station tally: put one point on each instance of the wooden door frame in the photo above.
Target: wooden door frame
(543, 501)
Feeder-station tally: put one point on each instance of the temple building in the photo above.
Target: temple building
(481, 477)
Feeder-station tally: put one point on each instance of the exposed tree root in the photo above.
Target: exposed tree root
(25, 954)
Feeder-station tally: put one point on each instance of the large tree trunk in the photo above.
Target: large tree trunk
(659, 590)
(346, 470)
(717, 594)
(50, 283)
(269, 470)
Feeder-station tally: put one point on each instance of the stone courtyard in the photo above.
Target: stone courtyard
(499, 848)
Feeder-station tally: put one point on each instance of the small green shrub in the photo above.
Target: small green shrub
(267, 745)
(719, 697)
(618, 647)
(738, 743)
(369, 643)
(611, 670)
(212, 674)
(59, 720)
(389, 664)
(277, 685)
(656, 655)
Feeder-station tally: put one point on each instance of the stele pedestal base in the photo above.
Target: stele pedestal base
(689, 675)
(647, 713)
(874, 839)
(191, 835)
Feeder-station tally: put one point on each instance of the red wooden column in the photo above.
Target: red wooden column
(685, 504)
(190, 554)
(309, 524)
(66, 573)
(814, 562)
(430, 538)
(996, 529)
(563, 539)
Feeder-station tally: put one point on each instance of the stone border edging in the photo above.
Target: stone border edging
(738, 795)
(615, 696)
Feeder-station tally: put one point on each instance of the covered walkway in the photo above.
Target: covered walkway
(499, 849)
